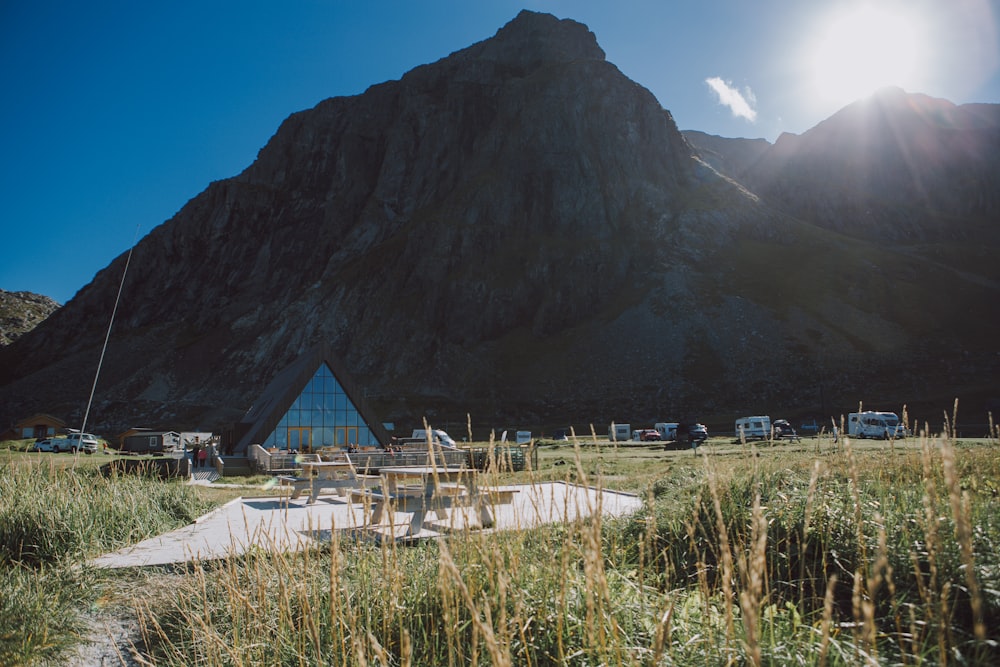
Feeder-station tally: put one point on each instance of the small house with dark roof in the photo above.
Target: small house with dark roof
(38, 426)
(312, 403)
(135, 430)
(151, 442)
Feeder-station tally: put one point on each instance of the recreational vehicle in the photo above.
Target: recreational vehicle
(751, 428)
(872, 424)
(438, 436)
(619, 432)
(667, 430)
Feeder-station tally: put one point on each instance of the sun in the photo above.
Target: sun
(862, 49)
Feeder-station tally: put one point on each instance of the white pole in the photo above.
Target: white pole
(107, 336)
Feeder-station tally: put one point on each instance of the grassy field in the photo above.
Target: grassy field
(815, 552)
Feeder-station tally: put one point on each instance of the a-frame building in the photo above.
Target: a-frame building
(310, 404)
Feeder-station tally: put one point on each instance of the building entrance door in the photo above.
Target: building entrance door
(300, 438)
(346, 435)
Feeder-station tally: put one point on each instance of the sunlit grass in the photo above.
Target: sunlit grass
(52, 519)
(826, 553)
(836, 558)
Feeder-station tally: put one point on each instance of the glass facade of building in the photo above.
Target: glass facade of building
(321, 416)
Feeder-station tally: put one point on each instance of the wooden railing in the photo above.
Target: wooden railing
(369, 461)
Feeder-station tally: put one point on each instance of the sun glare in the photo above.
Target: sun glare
(862, 50)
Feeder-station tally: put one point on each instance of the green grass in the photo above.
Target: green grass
(816, 553)
(56, 511)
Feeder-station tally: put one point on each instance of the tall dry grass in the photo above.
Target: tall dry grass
(832, 557)
(53, 517)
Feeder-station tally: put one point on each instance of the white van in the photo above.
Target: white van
(753, 428)
(872, 424)
(75, 442)
(440, 437)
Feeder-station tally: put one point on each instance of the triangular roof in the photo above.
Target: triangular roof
(265, 414)
(41, 417)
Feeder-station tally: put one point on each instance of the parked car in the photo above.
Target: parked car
(60, 445)
(650, 435)
(783, 429)
(45, 445)
(688, 435)
(698, 433)
(76, 442)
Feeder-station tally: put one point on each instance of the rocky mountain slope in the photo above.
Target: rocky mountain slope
(517, 233)
(20, 312)
(894, 167)
(735, 157)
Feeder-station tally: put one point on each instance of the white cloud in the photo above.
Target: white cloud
(741, 104)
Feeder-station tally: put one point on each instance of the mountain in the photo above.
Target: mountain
(516, 234)
(20, 312)
(735, 157)
(895, 167)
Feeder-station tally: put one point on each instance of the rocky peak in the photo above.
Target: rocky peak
(20, 312)
(532, 39)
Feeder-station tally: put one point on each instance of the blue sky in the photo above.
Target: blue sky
(115, 114)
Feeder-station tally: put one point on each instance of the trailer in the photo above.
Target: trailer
(619, 432)
(874, 424)
(667, 430)
(753, 428)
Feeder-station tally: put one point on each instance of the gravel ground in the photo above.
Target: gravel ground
(111, 642)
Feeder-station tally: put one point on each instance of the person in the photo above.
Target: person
(202, 457)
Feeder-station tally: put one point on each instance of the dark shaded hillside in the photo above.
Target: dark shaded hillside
(918, 178)
(516, 232)
(897, 167)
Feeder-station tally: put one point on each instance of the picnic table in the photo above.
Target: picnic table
(319, 475)
(436, 489)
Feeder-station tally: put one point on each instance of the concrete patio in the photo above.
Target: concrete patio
(276, 524)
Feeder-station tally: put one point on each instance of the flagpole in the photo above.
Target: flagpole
(107, 336)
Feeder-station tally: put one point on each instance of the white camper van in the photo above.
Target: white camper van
(872, 424)
(438, 436)
(619, 432)
(667, 430)
(753, 428)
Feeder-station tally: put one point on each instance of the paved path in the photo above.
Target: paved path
(204, 475)
(274, 524)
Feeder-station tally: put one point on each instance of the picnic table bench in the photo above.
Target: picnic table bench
(319, 475)
(437, 490)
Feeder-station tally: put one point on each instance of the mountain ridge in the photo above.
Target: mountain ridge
(20, 312)
(904, 167)
(516, 232)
